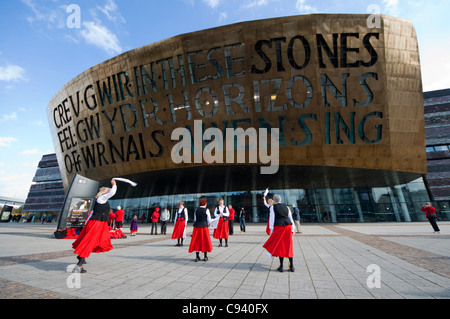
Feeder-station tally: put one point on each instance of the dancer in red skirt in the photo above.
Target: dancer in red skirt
(221, 231)
(181, 219)
(95, 238)
(201, 241)
(282, 227)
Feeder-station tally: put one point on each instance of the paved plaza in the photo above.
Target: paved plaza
(332, 261)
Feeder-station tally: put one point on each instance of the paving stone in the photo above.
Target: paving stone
(331, 262)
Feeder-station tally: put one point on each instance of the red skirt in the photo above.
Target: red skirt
(178, 230)
(201, 240)
(221, 230)
(280, 242)
(94, 238)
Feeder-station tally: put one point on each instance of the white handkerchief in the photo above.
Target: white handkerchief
(266, 192)
(214, 222)
(125, 181)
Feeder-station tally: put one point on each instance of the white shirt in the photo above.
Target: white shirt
(104, 198)
(165, 215)
(221, 209)
(272, 216)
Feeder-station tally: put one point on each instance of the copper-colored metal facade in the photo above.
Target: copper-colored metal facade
(347, 99)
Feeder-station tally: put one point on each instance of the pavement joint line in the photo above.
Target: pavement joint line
(433, 262)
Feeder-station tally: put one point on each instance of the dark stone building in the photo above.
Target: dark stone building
(46, 196)
(437, 130)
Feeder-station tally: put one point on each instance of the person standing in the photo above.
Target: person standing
(134, 225)
(242, 220)
(94, 237)
(430, 214)
(231, 219)
(119, 217)
(155, 218)
(221, 231)
(296, 218)
(280, 243)
(181, 219)
(201, 240)
(111, 218)
(164, 218)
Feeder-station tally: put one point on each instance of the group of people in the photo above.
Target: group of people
(202, 219)
(94, 237)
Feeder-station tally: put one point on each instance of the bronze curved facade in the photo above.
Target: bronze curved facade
(346, 99)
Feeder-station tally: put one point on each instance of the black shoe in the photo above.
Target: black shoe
(197, 259)
(291, 269)
(79, 269)
(280, 269)
(205, 259)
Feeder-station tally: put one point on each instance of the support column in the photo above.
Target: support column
(331, 203)
(404, 208)
(255, 218)
(358, 206)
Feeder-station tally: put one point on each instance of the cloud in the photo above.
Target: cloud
(435, 66)
(100, 36)
(256, 3)
(8, 117)
(212, 3)
(30, 152)
(16, 185)
(51, 17)
(12, 73)
(111, 10)
(6, 141)
(303, 7)
(223, 17)
(391, 7)
(93, 31)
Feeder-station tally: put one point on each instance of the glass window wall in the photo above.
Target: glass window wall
(340, 205)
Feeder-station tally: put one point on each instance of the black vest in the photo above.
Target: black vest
(281, 215)
(101, 211)
(201, 219)
(225, 208)
(182, 215)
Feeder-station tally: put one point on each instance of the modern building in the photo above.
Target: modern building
(325, 110)
(437, 130)
(46, 195)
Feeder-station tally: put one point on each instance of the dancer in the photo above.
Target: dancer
(95, 238)
(181, 219)
(201, 241)
(221, 231)
(282, 227)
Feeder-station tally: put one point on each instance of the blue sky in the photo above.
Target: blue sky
(39, 53)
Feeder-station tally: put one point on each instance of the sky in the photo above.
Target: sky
(42, 48)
